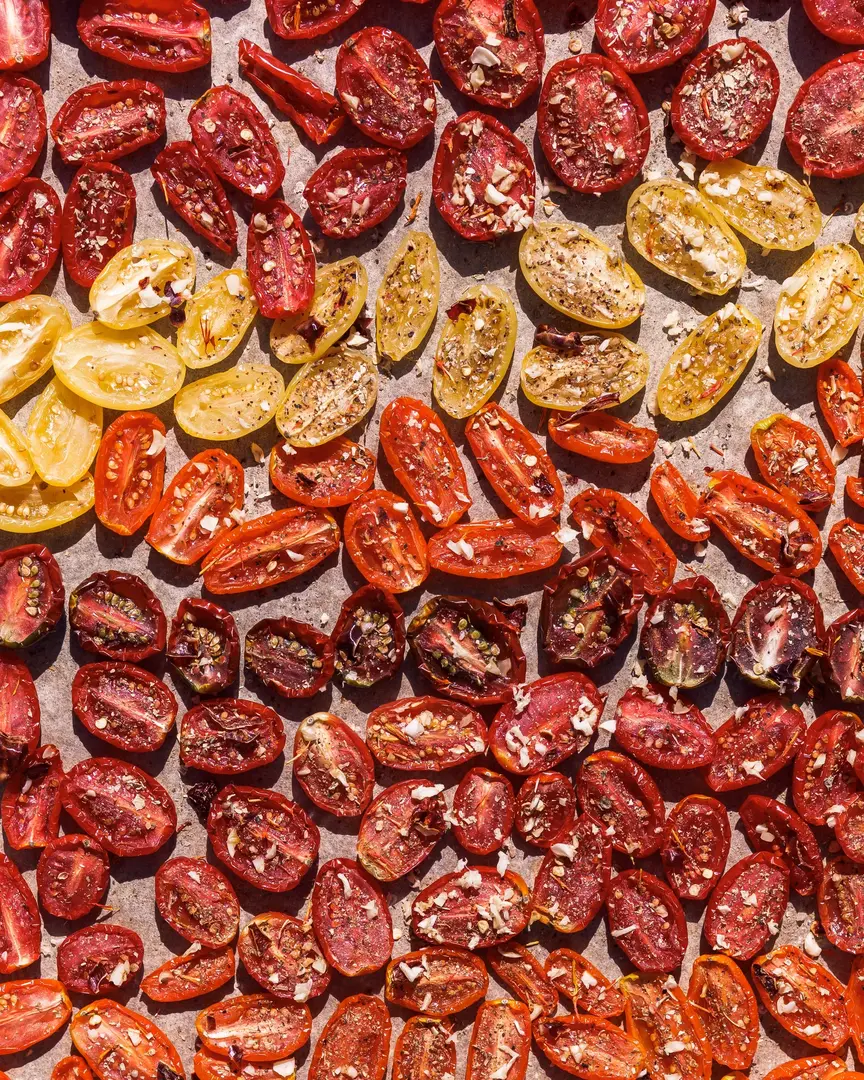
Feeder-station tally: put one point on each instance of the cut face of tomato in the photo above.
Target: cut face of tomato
(292, 658)
(333, 474)
(747, 906)
(849, 830)
(647, 921)
(22, 115)
(841, 398)
(30, 235)
(824, 781)
(328, 396)
(31, 595)
(153, 34)
(280, 953)
(351, 919)
(357, 1032)
(340, 292)
(545, 807)
(855, 1004)
(124, 705)
(424, 1050)
(31, 804)
(298, 21)
(189, 976)
(696, 842)
(793, 459)
(436, 981)
(787, 977)
(846, 543)
(620, 794)
(821, 125)
(458, 920)
(662, 731)
(401, 828)
(254, 1027)
(251, 828)
(642, 39)
(280, 260)
(122, 1042)
(197, 901)
(368, 639)
(203, 646)
(726, 1006)
(385, 543)
(425, 733)
(573, 879)
(499, 548)
(841, 904)
(836, 19)
(369, 183)
(678, 503)
(25, 34)
(483, 809)
(108, 120)
(72, 876)
(217, 317)
(773, 826)
(333, 765)
(500, 1040)
(98, 219)
(117, 615)
(226, 736)
(98, 959)
(817, 1067)
(229, 404)
(589, 1047)
(602, 437)
(583, 984)
(407, 299)
(757, 740)
(31, 1010)
(665, 1025)
(20, 925)
(192, 190)
(71, 1068)
(685, 634)
(521, 972)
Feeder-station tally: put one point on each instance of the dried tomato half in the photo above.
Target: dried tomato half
(478, 151)
(196, 973)
(31, 800)
(425, 1049)
(647, 921)
(107, 120)
(841, 398)
(589, 1047)
(696, 842)
(520, 971)
(573, 880)
(29, 237)
(20, 725)
(98, 220)
(583, 984)
(685, 633)
(99, 959)
(855, 1004)
(494, 549)
(662, 731)
(355, 190)
(123, 1042)
(545, 807)
(786, 977)
(203, 645)
(301, 19)
(262, 836)
(666, 1026)
(332, 474)
(467, 649)
(793, 459)
(351, 919)
(227, 736)
(290, 657)
(117, 615)
(772, 826)
(281, 953)
(546, 721)
(678, 503)
(22, 114)
(824, 781)
(821, 126)
(437, 981)
(602, 437)
(357, 1031)
(841, 904)
(458, 920)
(500, 1039)
(280, 260)
(368, 640)
(425, 733)
(726, 1005)
(31, 1010)
(642, 39)
(20, 925)
(385, 543)
(70, 1068)
(254, 1027)
(72, 876)
(846, 543)
(130, 469)
(124, 705)
(193, 191)
(156, 34)
(25, 34)
(401, 828)
(817, 1067)
(620, 794)
(31, 594)
(747, 905)
(483, 810)
(197, 901)
(333, 765)
(757, 741)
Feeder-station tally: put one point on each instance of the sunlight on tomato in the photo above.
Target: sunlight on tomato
(230, 403)
(407, 296)
(64, 432)
(217, 317)
(29, 330)
(16, 464)
(139, 284)
(577, 371)
(328, 396)
(35, 506)
(340, 293)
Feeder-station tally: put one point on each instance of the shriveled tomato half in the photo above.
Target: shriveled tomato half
(20, 925)
(203, 645)
(351, 919)
(425, 733)
(787, 977)
(22, 119)
(773, 826)
(254, 1027)
(123, 1042)
(31, 803)
(158, 35)
(646, 920)
(494, 549)
(696, 841)
(31, 594)
(97, 959)
(602, 437)
(425, 461)
(836, 19)
(356, 189)
(583, 984)
(520, 971)
(821, 125)
(20, 726)
(841, 399)
(25, 33)
(478, 151)
(368, 639)
(117, 615)
(843, 644)
(72, 876)
(193, 191)
(280, 260)
(642, 39)
(757, 740)
(71, 1068)
(483, 810)
(500, 1039)
(98, 220)
(130, 469)
(401, 828)
(31, 1010)
(572, 882)
(817, 1067)
(846, 543)
(262, 836)
(290, 657)
(357, 1031)
(195, 973)
(662, 731)
(685, 633)
(233, 136)
(824, 781)
(332, 474)
(226, 736)
(107, 120)
(747, 905)
(593, 124)
(280, 953)
(546, 722)
(437, 981)
(620, 794)
(333, 765)
(123, 704)
(793, 459)
(855, 1004)
(545, 807)
(664, 1023)
(425, 1049)
(849, 830)
(726, 1007)
(725, 98)
(602, 1049)
(841, 904)
(678, 503)
(384, 541)
(197, 901)
(29, 237)
(458, 920)
(301, 19)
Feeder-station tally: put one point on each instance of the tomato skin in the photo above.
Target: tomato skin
(24, 128)
(369, 637)
(545, 807)
(779, 443)
(71, 1068)
(424, 460)
(385, 543)
(358, 1030)
(197, 901)
(117, 615)
(454, 979)
(400, 829)
(178, 39)
(727, 928)
(696, 842)
(21, 927)
(569, 900)
(203, 645)
(685, 633)
(29, 215)
(485, 806)
(123, 704)
(841, 397)
(275, 944)
(788, 975)
(659, 940)
(753, 746)
(130, 469)
(72, 875)
(773, 826)
(210, 736)
(846, 544)
(727, 1009)
(217, 120)
(602, 437)
(424, 1049)
(371, 177)
(88, 958)
(107, 120)
(100, 202)
(31, 1010)
(840, 901)
(290, 657)
(494, 549)
(356, 938)
(31, 595)
(31, 805)
(189, 976)
(814, 134)
(659, 1017)
(678, 503)
(332, 474)
(824, 781)
(456, 923)
(25, 34)
(839, 20)
(855, 1004)
(192, 190)
(280, 260)
(663, 732)
(609, 1054)
(290, 20)
(595, 995)
(450, 734)
(254, 1027)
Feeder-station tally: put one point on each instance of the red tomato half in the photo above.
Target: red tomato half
(20, 925)
(837, 19)
(846, 544)
(254, 1027)
(280, 260)
(647, 921)
(849, 830)
(621, 795)
(583, 984)
(358, 1031)
(520, 971)
(844, 645)
(757, 741)
(425, 733)
(197, 901)
(662, 731)
(822, 126)
(642, 37)
(401, 828)
(25, 33)
(99, 959)
(793, 459)
(192, 190)
(32, 1010)
(787, 977)
(573, 880)
(369, 637)
(71, 1068)
(483, 808)
(725, 98)
(31, 800)
(493, 50)
(107, 120)
(130, 469)
(667, 1027)
(29, 237)
(130, 1042)
(841, 399)
(199, 507)
(351, 919)
(280, 953)
(824, 781)
(602, 437)
(301, 19)
(841, 905)
(593, 125)
(499, 548)
(231, 133)
(98, 221)
(425, 1048)
(385, 543)
(226, 736)
(545, 807)
(476, 152)
(332, 474)
(198, 972)
(22, 121)
(696, 843)
(203, 646)
(333, 765)
(290, 657)
(123, 704)
(159, 35)
(773, 826)
(603, 1049)
(385, 87)
(747, 905)
(117, 615)
(72, 876)
(356, 189)
(31, 595)
(678, 503)
(500, 1039)
(726, 1005)
(20, 727)
(458, 920)
(436, 981)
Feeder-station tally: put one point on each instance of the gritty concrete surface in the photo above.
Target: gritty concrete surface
(85, 546)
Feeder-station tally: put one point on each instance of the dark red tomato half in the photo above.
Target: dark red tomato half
(642, 37)
(130, 470)
(20, 726)
(478, 154)
(425, 1047)
(123, 704)
(425, 733)
(773, 826)
(824, 781)
(226, 736)
(25, 34)
(197, 901)
(282, 955)
(593, 126)
(837, 19)
(458, 921)
(849, 830)
(647, 921)
(747, 905)
(425, 461)
(602, 437)
(192, 190)
(355, 190)
(31, 595)
(520, 971)
(23, 124)
(107, 120)
(351, 919)
(573, 879)
(385, 542)
(696, 843)
(203, 645)
(792, 458)
(467, 649)
(262, 837)
(483, 810)
(436, 981)
(232, 134)
(99, 959)
(841, 399)
(841, 905)
(20, 925)
(546, 722)
(72, 876)
(280, 260)
(358, 1030)
(98, 220)
(662, 731)
(494, 549)
(117, 615)
(332, 764)
(195, 973)
(493, 50)
(29, 237)
(158, 35)
(301, 19)
(545, 807)
(685, 633)
(757, 741)
(846, 543)
(31, 800)
(333, 474)
(822, 126)
(725, 98)
(401, 828)
(385, 87)
(368, 639)
(292, 658)
(583, 984)
(620, 794)
(678, 503)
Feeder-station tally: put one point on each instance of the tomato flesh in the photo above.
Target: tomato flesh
(458, 922)
(696, 843)
(685, 633)
(292, 658)
(793, 459)
(437, 981)
(494, 549)
(756, 742)
(197, 901)
(521, 972)
(254, 1027)
(72, 876)
(98, 219)
(158, 35)
(203, 646)
(773, 826)
(20, 925)
(20, 726)
(619, 793)
(424, 1049)
(22, 121)
(545, 807)
(500, 1039)
(651, 915)
(333, 765)
(583, 984)
(841, 397)
(352, 923)
(663, 732)
(747, 905)
(821, 125)
(25, 33)
(401, 828)
(280, 953)
(29, 237)
(123, 1042)
(841, 904)
(124, 705)
(31, 1010)
(226, 736)
(603, 1050)
(31, 803)
(192, 190)
(416, 734)
(31, 595)
(105, 121)
(369, 183)
(824, 781)
(573, 880)
(185, 977)
(484, 807)
(358, 1031)
(678, 503)
(71, 1068)
(787, 977)
(301, 19)
(846, 543)
(130, 469)
(666, 1026)
(385, 543)
(97, 959)
(117, 615)
(727, 1008)
(602, 437)
(369, 637)
(837, 19)
(280, 260)
(849, 830)
(332, 474)
(643, 37)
